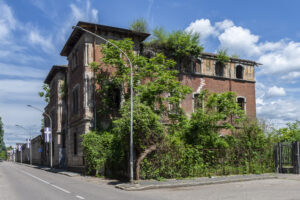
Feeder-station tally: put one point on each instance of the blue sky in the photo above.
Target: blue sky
(33, 32)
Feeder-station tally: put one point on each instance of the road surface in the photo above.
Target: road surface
(26, 183)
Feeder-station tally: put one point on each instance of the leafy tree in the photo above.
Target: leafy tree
(45, 93)
(3, 152)
(155, 85)
(220, 111)
(139, 25)
(291, 133)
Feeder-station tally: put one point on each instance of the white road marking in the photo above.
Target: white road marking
(46, 182)
(66, 191)
(35, 177)
(79, 197)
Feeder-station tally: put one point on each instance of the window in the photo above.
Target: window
(75, 59)
(186, 65)
(75, 143)
(173, 107)
(75, 100)
(241, 102)
(197, 66)
(63, 139)
(239, 71)
(198, 103)
(219, 69)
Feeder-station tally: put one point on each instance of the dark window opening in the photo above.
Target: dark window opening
(114, 93)
(241, 102)
(198, 103)
(63, 137)
(239, 72)
(219, 68)
(186, 65)
(75, 143)
(75, 100)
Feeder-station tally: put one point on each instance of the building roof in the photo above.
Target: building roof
(97, 28)
(234, 60)
(53, 71)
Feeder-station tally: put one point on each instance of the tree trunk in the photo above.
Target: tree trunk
(141, 158)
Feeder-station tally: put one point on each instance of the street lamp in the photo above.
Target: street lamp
(30, 147)
(50, 130)
(131, 95)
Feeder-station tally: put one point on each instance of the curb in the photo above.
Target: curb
(138, 187)
(53, 170)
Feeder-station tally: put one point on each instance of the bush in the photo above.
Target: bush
(97, 150)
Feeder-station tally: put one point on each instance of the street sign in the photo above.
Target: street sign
(47, 132)
(27, 143)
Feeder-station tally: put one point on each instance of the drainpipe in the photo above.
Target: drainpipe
(94, 84)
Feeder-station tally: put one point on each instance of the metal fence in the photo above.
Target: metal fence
(287, 157)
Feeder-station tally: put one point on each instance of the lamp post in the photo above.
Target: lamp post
(30, 147)
(131, 95)
(50, 130)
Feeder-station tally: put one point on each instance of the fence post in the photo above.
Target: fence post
(280, 158)
(298, 158)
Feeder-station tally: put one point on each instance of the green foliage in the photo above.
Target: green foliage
(147, 127)
(177, 44)
(3, 151)
(220, 111)
(290, 133)
(45, 93)
(97, 149)
(64, 89)
(139, 25)
(222, 57)
(184, 147)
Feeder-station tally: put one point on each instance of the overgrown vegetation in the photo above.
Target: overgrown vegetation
(139, 25)
(3, 151)
(167, 144)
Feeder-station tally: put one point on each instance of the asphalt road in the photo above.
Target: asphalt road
(23, 182)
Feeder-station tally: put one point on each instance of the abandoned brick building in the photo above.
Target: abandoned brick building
(72, 90)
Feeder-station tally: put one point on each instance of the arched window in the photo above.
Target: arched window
(242, 102)
(219, 69)
(239, 71)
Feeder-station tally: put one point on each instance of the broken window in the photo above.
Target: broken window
(239, 72)
(198, 103)
(186, 65)
(241, 102)
(219, 69)
(75, 100)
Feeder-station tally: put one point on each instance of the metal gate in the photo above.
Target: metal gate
(287, 157)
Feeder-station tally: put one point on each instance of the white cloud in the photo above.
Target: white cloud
(291, 76)
(80, 11)
(203, 27)
(276, 92)
(7, 21)
(45, 43)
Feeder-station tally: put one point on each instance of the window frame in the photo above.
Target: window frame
(76, 109)
(245, 102)
(242, 72)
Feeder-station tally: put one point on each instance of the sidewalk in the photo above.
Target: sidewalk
(173, 183)
(54, 170)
